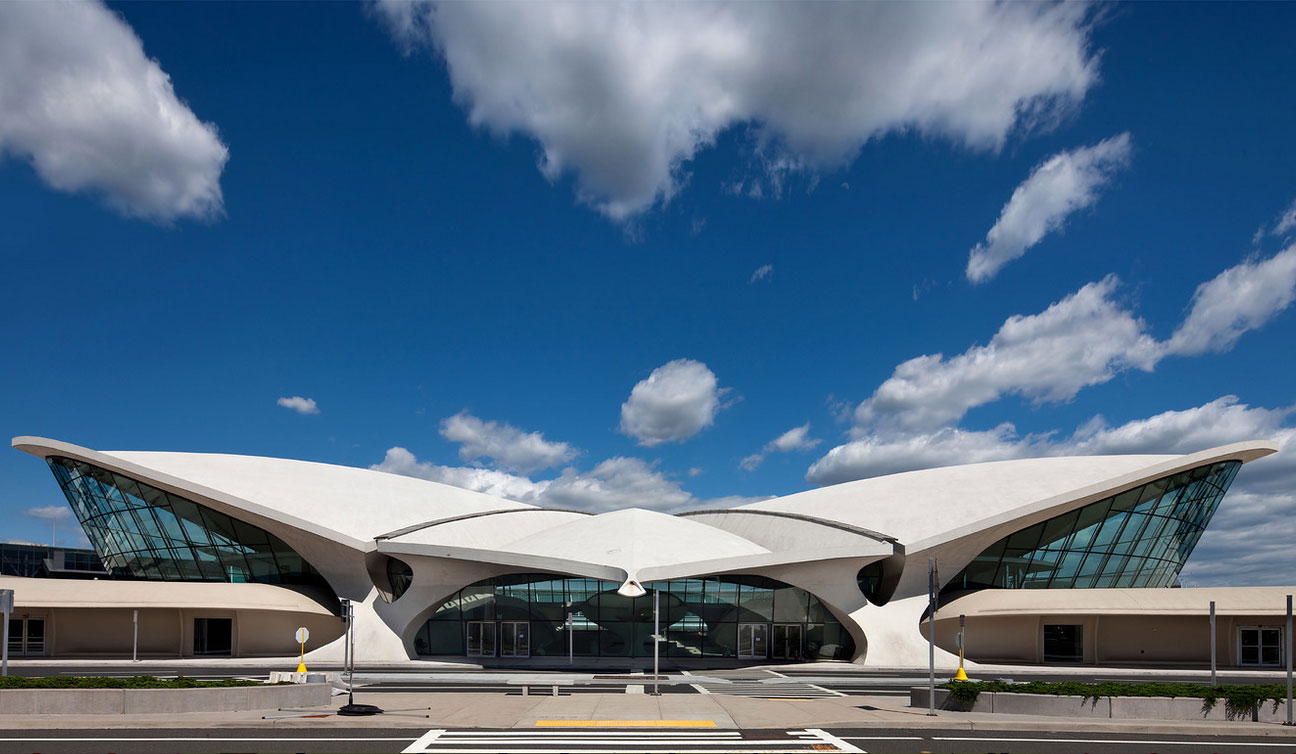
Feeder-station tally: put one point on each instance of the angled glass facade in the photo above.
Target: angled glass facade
(141, 532)
(743, 617)
(1139, 538)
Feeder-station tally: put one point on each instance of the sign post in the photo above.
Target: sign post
(571, 638)
(1287, 641)
(931, 637)
(6, 607)
(135, 640)
(302, 635)
(1212, 608)
(656, 638)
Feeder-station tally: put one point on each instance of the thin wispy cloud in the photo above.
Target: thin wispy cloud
(299, 404)
(1057, 188)
(761, 273)
(508, 447)
(795, 439)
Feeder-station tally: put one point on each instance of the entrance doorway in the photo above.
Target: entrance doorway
(515, 639)
(787, 641)
(1063, 643)
(481, 638)
(753, 640)
(1260, 645)
(213, 636)
(26, 637)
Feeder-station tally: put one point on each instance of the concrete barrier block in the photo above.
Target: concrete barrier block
(1192, 709)
(1045, 704)
(918, 698)
(1268, 714)
(1144, 708)
(169, 701)
(79, 701)
(18, 701)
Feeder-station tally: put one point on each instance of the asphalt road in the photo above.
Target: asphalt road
(578, 741)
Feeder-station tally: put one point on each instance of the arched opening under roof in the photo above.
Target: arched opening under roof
(739, 617)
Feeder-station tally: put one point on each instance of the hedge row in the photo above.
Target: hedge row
(1238, 700)
(100, 682)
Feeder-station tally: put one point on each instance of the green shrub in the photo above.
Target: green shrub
(103, 682)
(1239, 701)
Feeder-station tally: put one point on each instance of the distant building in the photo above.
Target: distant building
(1050, 560)
(44, 561)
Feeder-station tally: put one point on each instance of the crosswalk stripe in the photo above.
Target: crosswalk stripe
(442, 741)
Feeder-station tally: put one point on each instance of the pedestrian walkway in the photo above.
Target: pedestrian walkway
(442, 741)
(760, 683)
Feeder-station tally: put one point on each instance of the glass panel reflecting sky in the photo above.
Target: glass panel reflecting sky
(142, 532)
(1138, 538)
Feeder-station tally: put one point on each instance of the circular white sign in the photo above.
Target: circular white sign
(302, 635)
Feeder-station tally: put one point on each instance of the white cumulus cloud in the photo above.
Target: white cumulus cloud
(509, 447)
(1084, 339)
(678, 400)
(1057, 187)
(1239, 299)
(623, 95)
(82, 102)
(613, 484)
(299, 404)
(797, 438)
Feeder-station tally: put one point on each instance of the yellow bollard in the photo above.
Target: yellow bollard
(960, 675)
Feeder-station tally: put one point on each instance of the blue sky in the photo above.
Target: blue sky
(666, 255)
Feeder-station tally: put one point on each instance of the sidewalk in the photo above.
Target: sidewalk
(494, 710)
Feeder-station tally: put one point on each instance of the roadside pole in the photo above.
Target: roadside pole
(6, 608)
(1212, 642)
(931, 637)
(571, 638)
(1287, 639)
(656, 636)
(135, 639)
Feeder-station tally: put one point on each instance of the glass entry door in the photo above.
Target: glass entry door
(1260, 645)
(481, 638)
(515, 638)
(26, 637)
(753, 641)
(787, 641)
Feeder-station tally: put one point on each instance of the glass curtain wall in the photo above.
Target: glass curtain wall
(141, 532)
(699, 618)
(1139, 538)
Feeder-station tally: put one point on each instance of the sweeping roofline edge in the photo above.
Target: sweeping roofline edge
(1026, 515)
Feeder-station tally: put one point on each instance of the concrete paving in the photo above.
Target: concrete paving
(493, 710)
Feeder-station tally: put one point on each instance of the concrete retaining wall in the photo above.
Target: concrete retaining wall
(165, 701)
(1118, 707)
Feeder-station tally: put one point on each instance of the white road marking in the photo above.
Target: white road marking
(1141, 742)
(829, 738)
(700, 689)
(123, 739)
(441, 741)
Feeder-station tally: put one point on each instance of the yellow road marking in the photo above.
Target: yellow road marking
(625, 723)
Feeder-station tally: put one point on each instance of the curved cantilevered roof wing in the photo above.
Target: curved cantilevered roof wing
(344, 503)
(925, 508)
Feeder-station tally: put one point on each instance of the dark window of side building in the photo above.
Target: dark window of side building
(1063, 643)
(213, 636)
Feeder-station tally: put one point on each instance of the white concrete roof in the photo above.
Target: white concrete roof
(634, 540)
(1255, 600)
(147, 594)
(358, 504)
(922, 507)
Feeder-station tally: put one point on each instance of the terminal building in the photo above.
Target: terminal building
(1048, 560)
